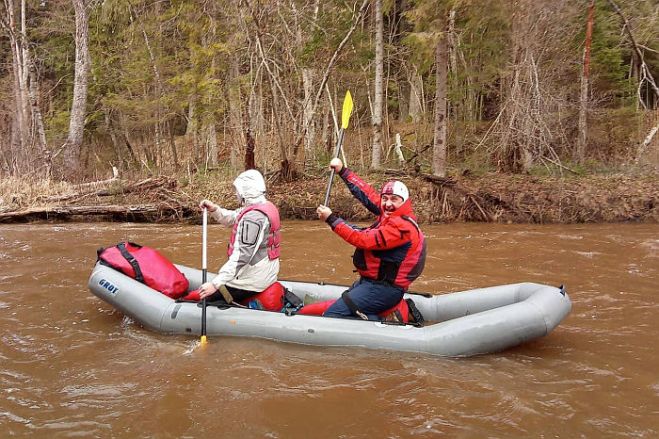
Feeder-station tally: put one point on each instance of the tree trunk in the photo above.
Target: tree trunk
(452, 43)
(5, 167)
(81, 75)
(235, 114)
(585, 78)
(23, 80)
(250, 147)
(415, 110)
(403, 99)
(192, 129)
(209, 118)
(155, 157)
(125, 134)
(523, 134)
(113, 138)
(308, 114)
(308, 76)
(376, 120)
(287, 170)
(327, 128)
(441, 68)
(250, 143)
(211, 143)
(172, 146)
(37, 120)
(20, 126)
(255, 109)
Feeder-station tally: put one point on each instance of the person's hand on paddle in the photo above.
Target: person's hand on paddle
(323, 212)
(212, 207)
(206, 290)
(336, 164)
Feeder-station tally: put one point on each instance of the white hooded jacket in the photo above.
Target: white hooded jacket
(248, 267)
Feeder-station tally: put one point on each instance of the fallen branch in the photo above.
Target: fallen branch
(115, 177)
(485, 215)
(136, 212)
(144, 185)
(442, 181)
(147, 184)
(646, 142)
(559, 164)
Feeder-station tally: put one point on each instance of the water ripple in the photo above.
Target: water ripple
(73, 366)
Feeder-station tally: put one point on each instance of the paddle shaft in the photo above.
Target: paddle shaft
(337, 151)
(204, 269)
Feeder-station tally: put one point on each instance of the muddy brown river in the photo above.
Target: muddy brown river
(72, 366)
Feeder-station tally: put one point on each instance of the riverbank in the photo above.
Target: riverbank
(488, 198)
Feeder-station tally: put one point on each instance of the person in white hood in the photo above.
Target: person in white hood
(253, 263)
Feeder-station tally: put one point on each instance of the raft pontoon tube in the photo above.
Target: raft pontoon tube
(466, 323)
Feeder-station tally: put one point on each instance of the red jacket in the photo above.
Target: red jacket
(391, 250)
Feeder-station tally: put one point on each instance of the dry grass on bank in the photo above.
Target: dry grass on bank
(488, 198)
(19, 193)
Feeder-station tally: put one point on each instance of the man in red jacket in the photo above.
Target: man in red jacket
(389, 254)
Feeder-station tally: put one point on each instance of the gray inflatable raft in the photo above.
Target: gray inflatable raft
(459, 324)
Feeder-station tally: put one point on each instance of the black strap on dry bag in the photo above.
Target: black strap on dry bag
(132, 261)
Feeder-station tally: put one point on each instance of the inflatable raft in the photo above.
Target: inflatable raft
(458, 324)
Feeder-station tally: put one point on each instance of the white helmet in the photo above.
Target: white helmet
(396, 187)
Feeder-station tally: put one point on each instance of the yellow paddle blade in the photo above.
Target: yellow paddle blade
(203, 340)
(347, 110)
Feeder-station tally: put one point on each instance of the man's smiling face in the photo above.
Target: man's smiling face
(389, 203)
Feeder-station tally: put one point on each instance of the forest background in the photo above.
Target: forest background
(490, 110)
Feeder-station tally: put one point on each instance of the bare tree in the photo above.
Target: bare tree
(376, 118)
(416, 95)
(154, 157)
(234, 96)
(28, 139)
(17, 41)
(585, 78)
(646, 75)
(357, 16)
(81, 76)
(529, 123)
(209, 121)
(308, 76)
(441, 73)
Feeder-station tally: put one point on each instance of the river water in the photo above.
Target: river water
(71, 366)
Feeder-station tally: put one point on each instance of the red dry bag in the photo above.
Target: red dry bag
(270, 299)
(145, 265)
